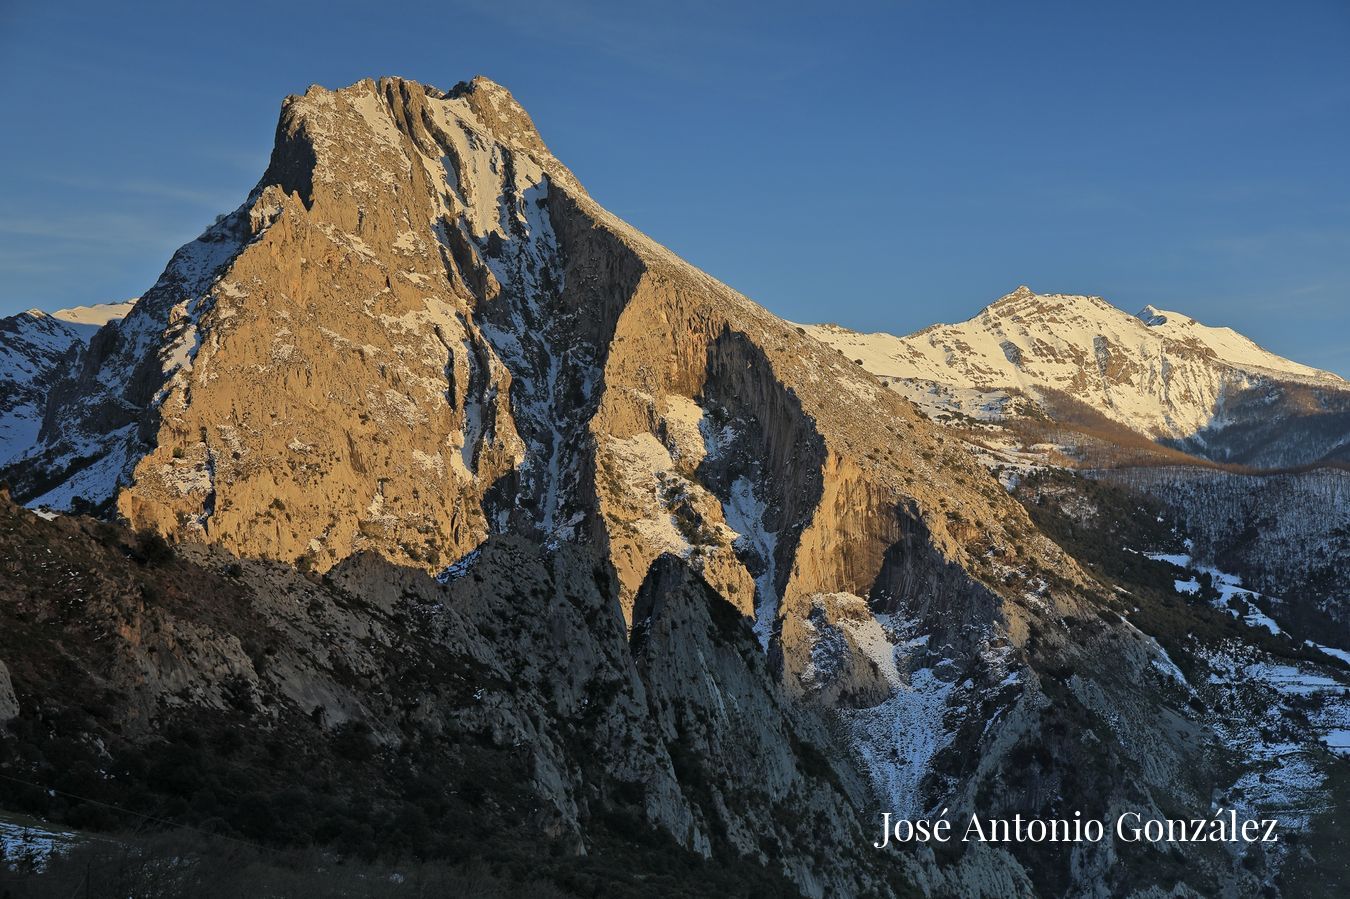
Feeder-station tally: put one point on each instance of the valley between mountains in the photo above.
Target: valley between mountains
(426, 526)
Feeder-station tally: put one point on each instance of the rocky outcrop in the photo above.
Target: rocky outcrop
(513, 682)
(733, 724)
(9, 703)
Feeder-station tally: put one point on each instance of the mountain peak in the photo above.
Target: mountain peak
(1025, 301)
(1151, 316)
(500, 112)
(1016, 298)
(1022, 292)
(1160, 373)
(389, 110)
(486, 87)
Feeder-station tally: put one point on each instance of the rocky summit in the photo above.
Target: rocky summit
(514, 543)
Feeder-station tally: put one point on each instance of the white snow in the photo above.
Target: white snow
(1332, 651)
(19, 431)
(32, 843)
(98, 480)
(1162, 381)
(497, 197)
(1228, 345)
(684, 421)
(744, 513)
(898, 739)
(97, 315)
(1229, 587)
(33, 349)
(1291, 680)
(1163, 664)
(460, 568)
(1254, 700)
(646, 476)
(432, 463)
(1252, 725)
(163, 325)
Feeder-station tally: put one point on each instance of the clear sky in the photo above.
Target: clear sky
(883, 165)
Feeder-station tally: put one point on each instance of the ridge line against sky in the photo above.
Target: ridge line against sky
(883, 165)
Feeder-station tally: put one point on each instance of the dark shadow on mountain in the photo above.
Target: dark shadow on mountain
(775, 446)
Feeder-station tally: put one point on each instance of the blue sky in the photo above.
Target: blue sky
(883, 165)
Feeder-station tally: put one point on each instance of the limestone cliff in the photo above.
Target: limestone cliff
(420, 346)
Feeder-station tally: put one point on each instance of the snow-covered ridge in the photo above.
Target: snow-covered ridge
(1158, 372)
(96, 315)
(1229, 346)
(97, 455)
(33, 349)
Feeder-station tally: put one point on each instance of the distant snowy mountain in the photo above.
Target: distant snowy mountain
(88, 319)
(1209, 391)
(33, 345)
